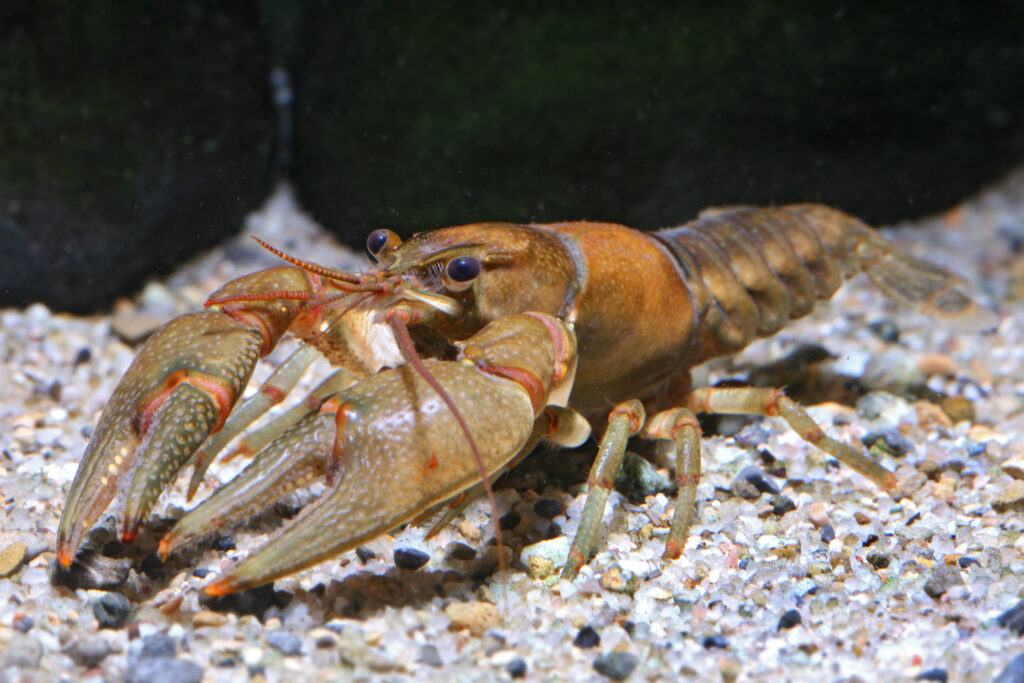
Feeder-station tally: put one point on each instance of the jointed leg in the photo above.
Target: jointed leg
(772, 402)
(680, 426)
(625, 420)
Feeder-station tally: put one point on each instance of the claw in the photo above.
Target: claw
(180, 388)
(391, 449)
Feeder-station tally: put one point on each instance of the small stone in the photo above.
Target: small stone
(201, 572)
(133, 328)
(548, 508)
(22, 651)
(460, 551)
(638, 479)
(516, 668)
(284, 641)
(223, 543)
(365, 554)
(165, 670)
(1013, 673)
(781, 505)
(889, 442)
(878, 560)
(208, 619)
(89, 650)
(958, 408)
(91, 570)
(11, 558)
(587, 637)
(475, 616)
(1013, 618)
(828, 534)
(158, 645)
(942, 579)
(152, 567)
(966, 562)
(546, 557)
(751, 482)
(616, 665)
(939, 675)
(789, 619)
(254, 601)
(1014, 466)
(861, 518)
(715, 641)
(410, 558)
(25, 624)
(430, 656)
(510, 520)
(111, 610)
(616, 579)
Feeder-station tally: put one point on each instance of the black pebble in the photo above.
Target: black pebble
(111, 610)
(939, 675)
(158, 645)
(781, 505)
(460, 551)
(201, 573)
(789, 619)
(510, 520)
(548, 508)
(615, 665)
(759, 480)
(889, 440)
(516, 668)
(152, 567)
(1013, 618)
(966, 562)
(285, 642)
(1013, 673)
(84, 355)
(255, 601)
(878, 560)
(410, 558)
(714, 641)
(828, 534)
(224, 543)
(365, 554)
(587, 637)
(25, 624)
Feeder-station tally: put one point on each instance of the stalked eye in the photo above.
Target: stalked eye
(462, 269)
(382, 242)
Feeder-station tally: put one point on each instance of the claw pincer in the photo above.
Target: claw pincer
(391, 449)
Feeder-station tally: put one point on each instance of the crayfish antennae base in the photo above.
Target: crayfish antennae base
(396, 320)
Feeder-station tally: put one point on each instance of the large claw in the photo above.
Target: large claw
(391, 448)
(179, 389)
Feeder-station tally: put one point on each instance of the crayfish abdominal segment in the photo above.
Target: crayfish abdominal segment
(523, 327)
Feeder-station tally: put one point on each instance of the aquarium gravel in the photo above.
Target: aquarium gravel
(796, 569)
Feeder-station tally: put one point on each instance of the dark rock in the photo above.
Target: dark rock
(942, 579)
(939, 675)
(93, 571)
(638, 479)
(886, 330)
(789, 619)
(25, 624)
(460, 551)
(1013, 673)
(828, 533)
(548, 508)
(224, 543)
(410, 558)
(715, 641)
(201, 572)
(878, 560)
(781, 505)
(1013, 618)
(429, 655)
(510, 520)
(587, 637)
(888, 441)
(111, 610)
(365, 554)
(966, 562)
(152, 567)
(751, 482)
(158, 645)
(255, 601)
(616, 665)
(516, 668)
(284, 641)
(89, 650)
(22, 651)
(164, 670)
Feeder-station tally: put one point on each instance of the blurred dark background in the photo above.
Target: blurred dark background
(133, 135)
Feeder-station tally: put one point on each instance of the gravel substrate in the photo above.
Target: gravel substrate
(796, 570)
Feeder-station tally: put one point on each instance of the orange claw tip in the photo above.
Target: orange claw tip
(222, 586)
(129, 535)
(164, 549)
(65, 557)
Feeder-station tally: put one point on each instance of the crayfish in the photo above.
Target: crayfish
(461, 350)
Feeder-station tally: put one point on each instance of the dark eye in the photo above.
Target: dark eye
(382, 242)
(463, 268)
